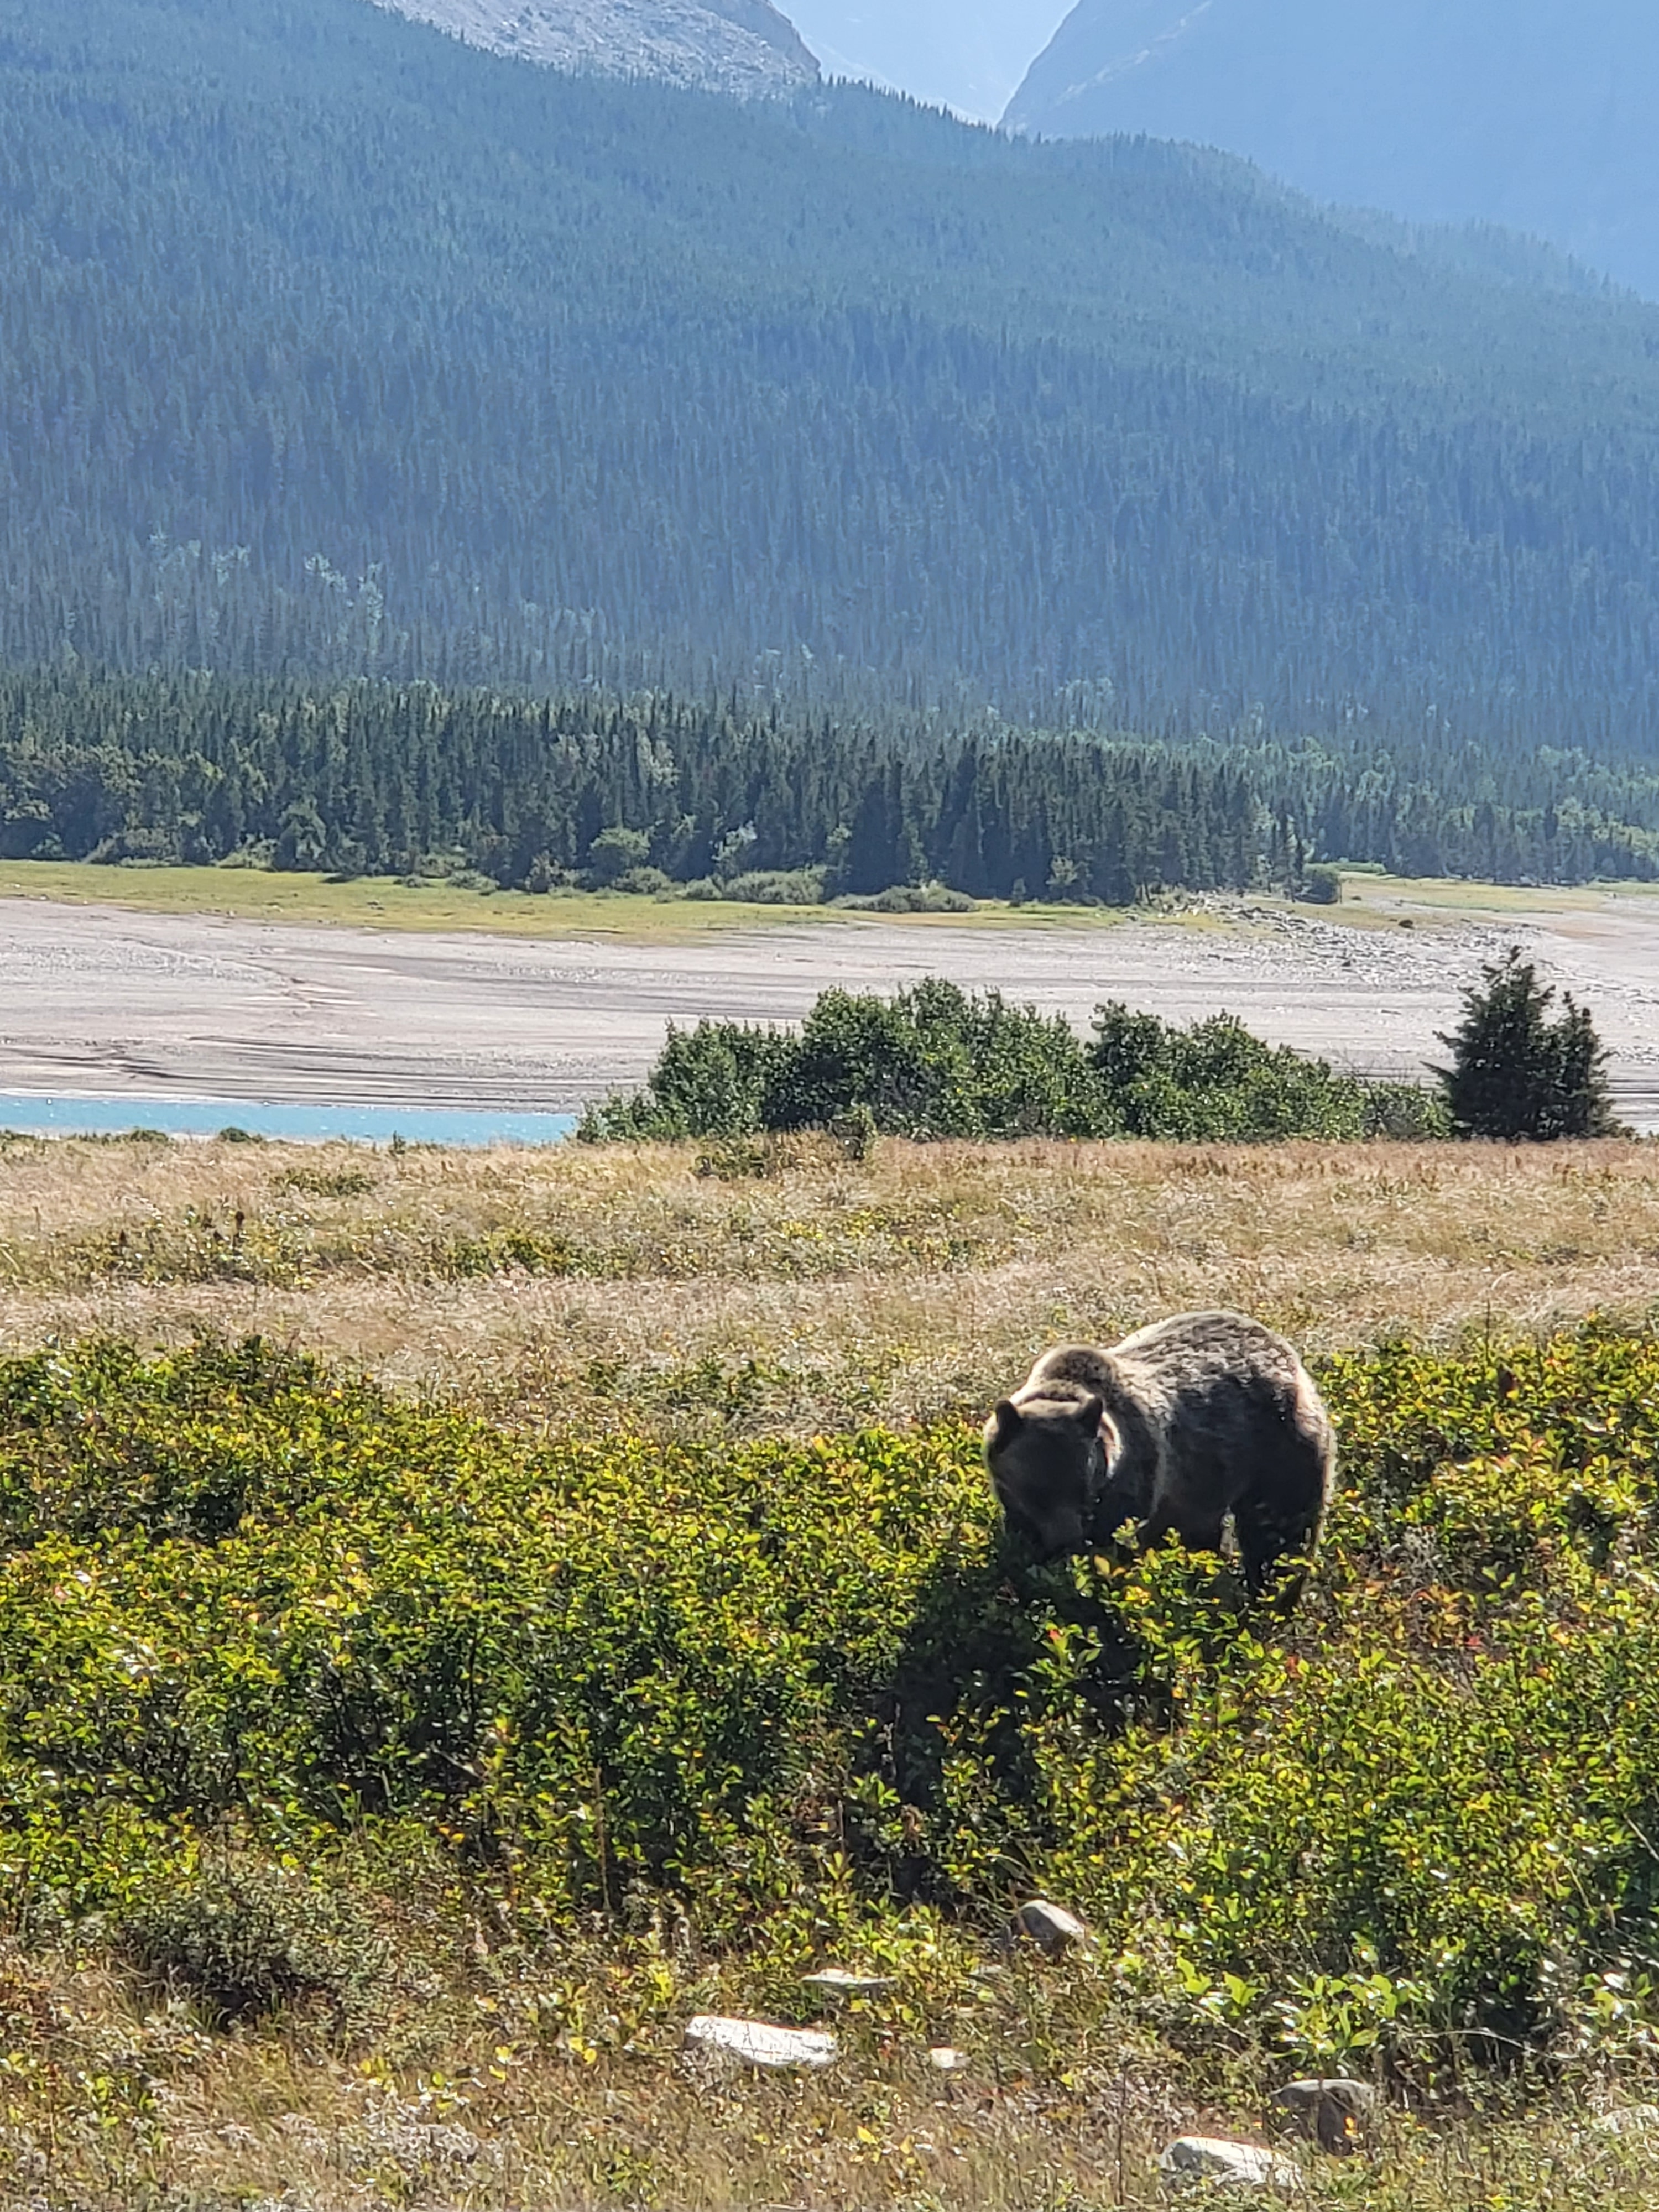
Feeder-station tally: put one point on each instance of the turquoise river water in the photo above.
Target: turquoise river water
(206, 1117)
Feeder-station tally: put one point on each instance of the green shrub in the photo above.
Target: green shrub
(502, 1252)
(909, 898)
(1217, 1083)
(644, 882)
(710, 1081)
(614, 853)
(743, 1159)
(1321, 884)
(244, 1939)
(936, 1061)
(102, 1443)
(774, 887)
(328, 1183)
(933, 1062)
(787, 1681)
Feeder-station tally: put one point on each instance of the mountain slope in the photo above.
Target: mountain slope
(326, 343)
(1537, 114)
(742, 47)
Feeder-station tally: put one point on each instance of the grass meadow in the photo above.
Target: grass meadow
(463, 1614)
(1369, 902)
(441, 903)
(777, 1286)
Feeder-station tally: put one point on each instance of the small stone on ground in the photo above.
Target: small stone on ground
(1336, 2112)
(1050, 1927)
(1225, 2164)
(757, 2043)
(1631, 2120)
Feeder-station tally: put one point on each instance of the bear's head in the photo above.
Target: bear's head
(1047, 1462)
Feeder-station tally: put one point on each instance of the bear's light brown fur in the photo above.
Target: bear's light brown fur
(1184, 1425)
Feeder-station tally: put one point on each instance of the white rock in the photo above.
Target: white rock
(945, 2060)
(841, 1982)
(1050, 1927)
(756, 2042)
(1225, 2164)
(1632, 2120)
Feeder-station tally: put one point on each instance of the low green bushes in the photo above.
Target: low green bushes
(245, 1939)
(244, 1597)
(910, 898)
(937, 1062)
(1217, 1083)
(764, 887)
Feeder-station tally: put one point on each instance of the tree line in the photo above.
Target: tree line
(364, 778)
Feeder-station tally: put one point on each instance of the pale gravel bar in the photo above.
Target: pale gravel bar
(96, 1000)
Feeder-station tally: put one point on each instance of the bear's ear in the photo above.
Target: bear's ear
(1091, 1416)
(1008, 1420)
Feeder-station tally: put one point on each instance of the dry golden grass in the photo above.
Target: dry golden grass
(790, 1287)
(1061, 2104)
(114, 2097)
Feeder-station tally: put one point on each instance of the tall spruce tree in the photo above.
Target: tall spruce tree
(1515, 1073)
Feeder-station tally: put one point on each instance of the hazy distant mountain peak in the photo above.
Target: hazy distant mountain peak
(744, 47)
(1137, 37)
(1534, 114)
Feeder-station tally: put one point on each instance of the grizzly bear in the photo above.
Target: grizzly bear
(1178, 1428)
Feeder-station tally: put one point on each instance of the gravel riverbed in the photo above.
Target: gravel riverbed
(107, 1000)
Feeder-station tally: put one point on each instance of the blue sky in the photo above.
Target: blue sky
(966, 54)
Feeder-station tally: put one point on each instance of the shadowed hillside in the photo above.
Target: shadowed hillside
(1533, 113)
(329, 343)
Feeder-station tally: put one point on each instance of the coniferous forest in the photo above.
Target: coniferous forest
(368, 777)
(765, 482)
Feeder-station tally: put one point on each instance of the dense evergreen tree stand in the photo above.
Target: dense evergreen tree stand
(761, 801)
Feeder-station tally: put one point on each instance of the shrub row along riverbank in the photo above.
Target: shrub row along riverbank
(255, 1615)
(936, 1061)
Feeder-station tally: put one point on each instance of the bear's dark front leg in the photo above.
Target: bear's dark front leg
(1199, 1532)
(1264, 1538)
(1159, 1523)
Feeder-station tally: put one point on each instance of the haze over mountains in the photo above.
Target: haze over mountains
(968, 55)
(1533, 116)
(1537, 114)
